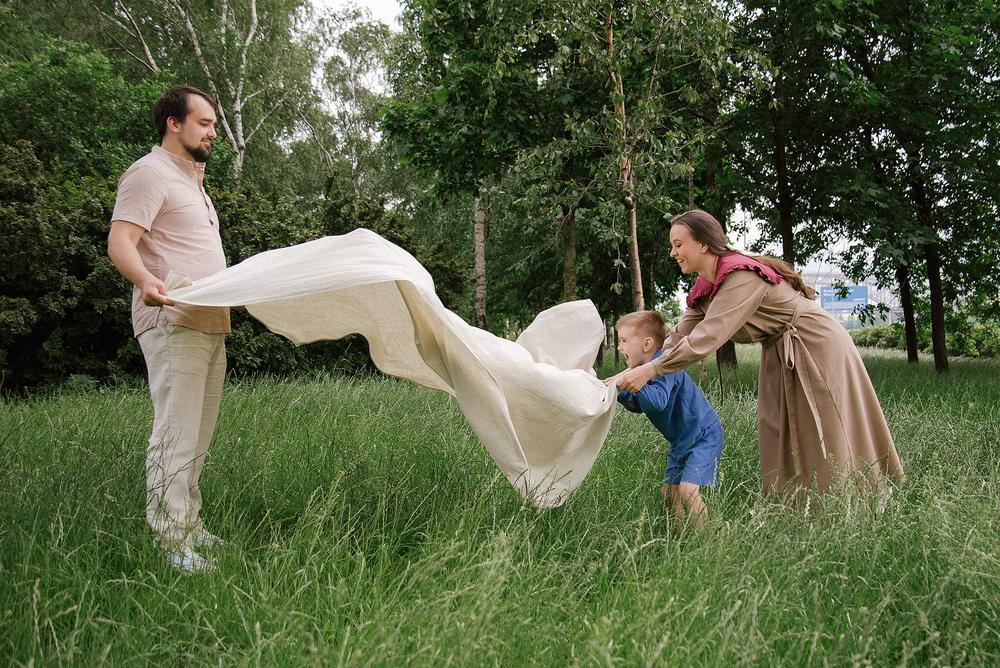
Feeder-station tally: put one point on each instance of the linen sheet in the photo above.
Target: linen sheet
(535, 404)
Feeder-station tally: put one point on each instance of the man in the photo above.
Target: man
(164, 222)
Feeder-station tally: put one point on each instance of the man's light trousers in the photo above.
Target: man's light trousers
(186, 369)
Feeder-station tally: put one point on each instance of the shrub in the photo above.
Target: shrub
(977, 339)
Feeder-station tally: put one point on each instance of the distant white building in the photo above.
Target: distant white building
(826, 279)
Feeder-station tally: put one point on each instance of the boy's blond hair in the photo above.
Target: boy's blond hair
(646, 323)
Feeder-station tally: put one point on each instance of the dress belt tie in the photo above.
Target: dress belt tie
(795, 355)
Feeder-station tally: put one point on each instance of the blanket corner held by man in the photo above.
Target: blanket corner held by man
(535, 404)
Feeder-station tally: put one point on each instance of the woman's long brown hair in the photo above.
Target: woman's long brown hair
(705, 229)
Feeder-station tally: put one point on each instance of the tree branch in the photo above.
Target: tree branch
(150, 62)
(263, 118)
(255, 94)
(223, 23)
(327, 157)
(126, 50)
(196, 45)
(132, 32)
(112, 19)
(251, 33)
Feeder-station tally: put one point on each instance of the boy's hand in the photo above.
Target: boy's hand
(632, 380)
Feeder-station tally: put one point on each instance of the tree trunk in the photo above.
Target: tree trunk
(638, 303)
(624, 165)
(652, 278)
(906, 301)
(614, 344)
(779, 121)
(785, 202)
(230, 109)
(933, 260)
(479, 241)
(568, 225)
(238, 156)
(902, 269)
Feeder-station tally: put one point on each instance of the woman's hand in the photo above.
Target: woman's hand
(632, 380)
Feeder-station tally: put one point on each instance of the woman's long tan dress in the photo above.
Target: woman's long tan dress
(817, 409)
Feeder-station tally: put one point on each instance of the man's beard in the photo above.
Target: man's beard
(199, 152)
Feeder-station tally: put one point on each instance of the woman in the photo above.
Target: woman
(817, 410)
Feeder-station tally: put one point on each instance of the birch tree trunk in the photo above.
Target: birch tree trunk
(229, 85)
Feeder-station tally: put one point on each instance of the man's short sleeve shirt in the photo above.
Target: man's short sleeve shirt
(165, 195)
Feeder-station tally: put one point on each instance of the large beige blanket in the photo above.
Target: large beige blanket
(536, 403)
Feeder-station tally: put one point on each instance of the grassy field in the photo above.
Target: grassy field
(367, 526)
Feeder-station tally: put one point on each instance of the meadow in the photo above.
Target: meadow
(366, 525)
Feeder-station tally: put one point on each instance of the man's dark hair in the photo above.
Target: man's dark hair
(174, 102)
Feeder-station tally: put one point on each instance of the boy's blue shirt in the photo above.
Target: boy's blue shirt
(675, 406)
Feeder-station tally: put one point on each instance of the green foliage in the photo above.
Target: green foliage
(79, 114)
(514, 102)
(915, 87)
(252, 350)
(977, 339)
(63, 306)
(466, 110)
(671, 311)
(63, 302)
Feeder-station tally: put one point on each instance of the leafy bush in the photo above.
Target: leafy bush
(64, 308)
(68, 126)
(973, 340)
(78, 113)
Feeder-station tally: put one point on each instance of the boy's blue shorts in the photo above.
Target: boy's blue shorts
(698, 461)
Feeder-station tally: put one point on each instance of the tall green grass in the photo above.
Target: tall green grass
(367, 526)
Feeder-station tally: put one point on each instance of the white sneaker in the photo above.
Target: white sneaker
(203, 540)
(189, 561)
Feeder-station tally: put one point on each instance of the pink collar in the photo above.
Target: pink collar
(729, 263)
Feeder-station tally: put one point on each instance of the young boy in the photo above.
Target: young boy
(675, 406)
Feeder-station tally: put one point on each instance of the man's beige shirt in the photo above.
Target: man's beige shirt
(165, 195)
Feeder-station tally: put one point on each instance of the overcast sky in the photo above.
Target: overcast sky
(383, 10)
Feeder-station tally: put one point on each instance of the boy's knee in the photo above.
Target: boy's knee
(688, 490)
